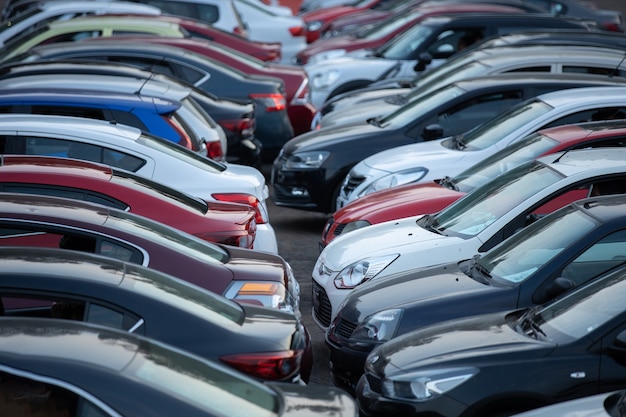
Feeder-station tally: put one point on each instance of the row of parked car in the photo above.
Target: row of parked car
(475, 199)
(132, 200)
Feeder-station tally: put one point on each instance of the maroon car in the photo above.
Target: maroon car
(414, 199)
(388, 29)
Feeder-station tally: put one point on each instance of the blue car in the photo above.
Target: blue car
(155, 115)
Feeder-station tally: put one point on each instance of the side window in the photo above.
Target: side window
(178, 8)
(467, 115)
(607, 113)
(60, 110)
(145, 63)
(66, 192)
(539, 68)
(451, 41)
(72, 37)
(109, 317)
(588, 69)
(208, 13)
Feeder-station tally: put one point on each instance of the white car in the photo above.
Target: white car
(474, 224)
(198, 123)
(427, 161)
(48, 11)
(374, 102)
(431, 43)
(157, 159)
(266, 23)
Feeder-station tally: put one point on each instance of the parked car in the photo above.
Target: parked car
(273, 127)
(155, 158)
(432, 41)
(52, 284)
(300, 110)
(580, 335)
(480, 62)
(48, 11)
(243, 275)
(70, 365)
(235, 117)
(563, 250)
(432, 196)
(378, 35)
(182, 123)
(473, 224)
(599, 405)
(327, 168)
(423, 162)
(218, 222)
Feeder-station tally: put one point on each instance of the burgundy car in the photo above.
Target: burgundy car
(414, 199)
(300, 110)
(388, 29)
(218, 222)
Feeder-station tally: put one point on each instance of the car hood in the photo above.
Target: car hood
(326, 44)
(363, 111)
(381, 239)
(397, 202)
(351, 64)
(314, 400)
(459, 341)
(426, 154)
(324, 139)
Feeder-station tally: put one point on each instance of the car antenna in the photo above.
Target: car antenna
(561, 156)
(616, 69)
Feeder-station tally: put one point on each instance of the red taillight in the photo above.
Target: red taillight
(272, 102)
(271, 366)
(214, 150)
(184, 140)
(248, 199)
(242, 127)
(297, 31)
(613, 27)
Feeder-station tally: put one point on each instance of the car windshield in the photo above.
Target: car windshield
(213, 388)
(407, 113)
(525, 252)
(494, 130)
(402, 46)
(167, 236)
(388, 26)
(584, 310)
(510, 157)
(473, 213)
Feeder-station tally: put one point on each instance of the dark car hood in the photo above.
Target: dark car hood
(314, 400)
(327, 138)
(421, 285)
(460, 342)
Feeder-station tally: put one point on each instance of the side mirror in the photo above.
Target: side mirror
(432, 132)
(423, 60)
(559, 286)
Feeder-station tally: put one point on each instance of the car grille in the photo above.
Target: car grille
(345, 328)
(339, 229)
(322, 308)
(374, 383)
(350, 183)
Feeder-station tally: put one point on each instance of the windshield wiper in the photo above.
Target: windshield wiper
(448, 183)
(458, 141)
(529, 326)
(477, 268)
(427, 222)
(374, 121)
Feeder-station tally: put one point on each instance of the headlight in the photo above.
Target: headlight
(306, 160)
(362, 271)
(379, 327)
(352, 226)
(324, 79)
(426, 385)
(314, 26)
(398, 178)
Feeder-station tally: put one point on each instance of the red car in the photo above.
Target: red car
(300, 110)
(414, 199)
(219, 222)
(316, 19)
(388, 29)
(265, 51)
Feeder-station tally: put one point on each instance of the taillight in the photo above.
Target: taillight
(242, 127)
(271, 366)
(243, 240)
(241, 198)
(214, 150)
(297, 31)
(272, 102)
(184, 140)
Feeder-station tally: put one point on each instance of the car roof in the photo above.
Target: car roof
(88, 98)
(500, 17)
(581, 160)
(526, 78)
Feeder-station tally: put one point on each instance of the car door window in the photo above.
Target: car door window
(454, 40)
(591, 69)
(590, 115)
(21, 396)
(65, 192)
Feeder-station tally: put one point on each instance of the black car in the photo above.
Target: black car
(309, 171)
(236, 117)
(556, 253)
(264, 343)
(273, 127)
(499, 364)
(66, 368)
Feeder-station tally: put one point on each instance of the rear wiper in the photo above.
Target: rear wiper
(448, 183)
